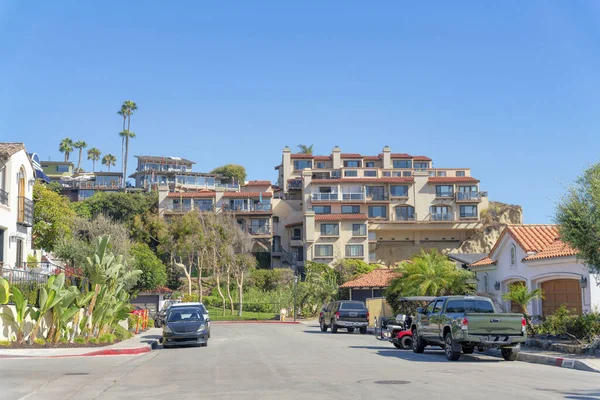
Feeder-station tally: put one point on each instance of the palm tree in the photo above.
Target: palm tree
(109, 160)
(127, 108)
(127, 135)
(80, 144)
(66, 146)
(521, 295)
(304, 149)
(94, 155)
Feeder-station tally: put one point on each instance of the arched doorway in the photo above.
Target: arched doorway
(561, 291)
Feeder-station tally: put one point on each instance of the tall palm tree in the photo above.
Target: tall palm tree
(80, 144)
(127, 109)
(94, 155)
(521, 295)
(304, 149)
(66, 146)
(127, 135)
(109, 160)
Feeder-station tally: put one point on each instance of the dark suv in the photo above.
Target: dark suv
(344, 314)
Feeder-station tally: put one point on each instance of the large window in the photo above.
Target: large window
(323, 250)
(460, 173)
(421, 166)
(320, 165)
(402, 164)
(297, 234)
(377, 212)
(322, 209)
(354, 250)
(302, 164)
(440, 213)
(370, 164)
(351, 173)
(370, 173)
(352, 164)
(468, 211)
(330, 230)
(375, 192)
(444, 191)
(441, 173)
(405, 213)
(359, 230)
(203, 204)
(399, 190)
(350, 209)
(62, 168)
(86, 194)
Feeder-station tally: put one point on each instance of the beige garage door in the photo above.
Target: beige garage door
(561, 291)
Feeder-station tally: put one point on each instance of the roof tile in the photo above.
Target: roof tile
(247, 194)
(483, 262)
(350, 155)
(201, 194)
(533, 238)
(258, 183)
(556, 249)
(8, 149)
(453, 179)
(380, 277)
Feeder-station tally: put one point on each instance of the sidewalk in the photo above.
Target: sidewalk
(538, 356)
(141, 343)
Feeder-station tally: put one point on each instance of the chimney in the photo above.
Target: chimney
(163, 193)
(387, 157)
(286, 166)
(336, 154)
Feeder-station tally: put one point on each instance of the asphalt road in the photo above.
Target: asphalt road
(253, 361)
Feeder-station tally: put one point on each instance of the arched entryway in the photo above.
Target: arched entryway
(561, 291)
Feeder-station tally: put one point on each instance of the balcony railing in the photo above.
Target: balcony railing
(468, 196)
(295, 184)
(444, 195)
(25, 211)
(3, 197)
(325, 197)
(259, 229)
(249, 207)
(90, 185)
(405, 218)
(469, 216)
(178, 207)
(441, 217)
(353, 196)
(378, 197)
(297, 237)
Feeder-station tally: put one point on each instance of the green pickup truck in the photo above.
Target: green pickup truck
(465, 323)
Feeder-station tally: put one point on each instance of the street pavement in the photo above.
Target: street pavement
(268, 361)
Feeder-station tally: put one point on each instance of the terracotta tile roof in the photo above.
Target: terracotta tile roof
(556, 249)
(301, 156)
(201, 194)
(247, 194)
(400, 155)
(322, 158)
(533, 238)
(292, 224)
(366, 180)
(258, 183)
(340, 217)
(483, 262)
(453, 179)
(421, 158)
(372, 158)
(350, 155)
(8, 149)
(378, 278)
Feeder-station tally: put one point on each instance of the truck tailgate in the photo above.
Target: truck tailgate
(353, 315)
(494, 324)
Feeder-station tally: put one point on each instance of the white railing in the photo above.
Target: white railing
(468, 196)
(353, 196)
(325, 197)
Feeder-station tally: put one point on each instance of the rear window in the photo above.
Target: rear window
(461, 306)
(181, 314)
(352, 306)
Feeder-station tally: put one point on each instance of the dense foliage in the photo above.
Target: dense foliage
(120, 206)
(52, 217)
(563, 322)
(235, 173)
(154, 273)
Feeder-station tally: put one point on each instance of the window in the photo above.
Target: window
(353, 250)
(399, 190)
(86, 194)
(320, 165)
(513, 255)
(402, 164)
(359, 230)
(370, 164)
(371, 173)
(444, 191)
(330, 230)
(462, 306)
(351, 173)
(421, 166)
(386, 173)
(322, 209)
(441, 173)
(397, 173)
(377, 212)
(429, 308)
(405, 213)
(302, 164)
(297, 234)
(406, 173)
(324, 250)
(376, 193)
(350, 209)
(203, 204)
(468, 211)
(467, 189)
(352, 305)
(460, 173)
(440, 213)
(438, 306)
(352, 164)
(275, 220)
(62, 168)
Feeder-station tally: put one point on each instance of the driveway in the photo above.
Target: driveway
(255, 361)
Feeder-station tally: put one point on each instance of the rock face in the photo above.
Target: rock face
(494, 220)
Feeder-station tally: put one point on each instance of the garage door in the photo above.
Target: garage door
(561, 291)
(149, 302)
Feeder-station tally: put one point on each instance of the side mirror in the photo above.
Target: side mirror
(420, 310)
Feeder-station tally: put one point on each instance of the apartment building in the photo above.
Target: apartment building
(84, 185)
(380, 208)
(56, 170)
(17, 178)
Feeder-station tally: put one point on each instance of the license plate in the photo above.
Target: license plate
(353, 314)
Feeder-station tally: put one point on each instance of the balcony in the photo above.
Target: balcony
(90, 185)
(378, 197)
(325, 197)
(404, 218)
(25, 211)
(259, 207)
(469, 216)
(178, 207)
(444, 195)
(468, 196)
(295, 184)
(440, 217)
(3, 197)
(260, 230)
(353, 196)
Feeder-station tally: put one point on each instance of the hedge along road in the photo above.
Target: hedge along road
(275, 361)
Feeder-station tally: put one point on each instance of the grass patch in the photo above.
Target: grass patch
(94, 341)
(63, 340)
(216, 314)
(122, 333)
(41, 342)
(79, 340)
(107, 338)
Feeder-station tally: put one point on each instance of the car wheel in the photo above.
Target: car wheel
(397, 345)
(351, 330)
(406, 342)
(334, 327)
(204, 345)
(509, 354)
(468, 350)
(418, 344)
(451, 353)
(363, 330)
(166, 346)
(323, 326)
(209, 333)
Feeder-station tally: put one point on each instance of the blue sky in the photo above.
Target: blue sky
(510, 89)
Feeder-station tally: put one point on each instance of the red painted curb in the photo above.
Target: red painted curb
(105, 352)
(255, 322)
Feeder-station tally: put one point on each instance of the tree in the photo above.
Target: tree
(521, 295)
(127, 135)
(94, 155)
(154, 273)
(349, 268)
(127, 109)
(66, 146)
(235, 172)
(52, 217)
(304, 149)
(579, 220)
(122, 207)
(80, 144)
(431, 274)
(109, 160)
(244, 260)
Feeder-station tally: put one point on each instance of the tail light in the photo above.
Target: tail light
(337, 315)
(464, 324)
(368, 315)
(523, 324)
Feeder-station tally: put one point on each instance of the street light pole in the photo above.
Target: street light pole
(295, 286)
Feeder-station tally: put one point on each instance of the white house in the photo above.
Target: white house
(17, 177)
(535, 256)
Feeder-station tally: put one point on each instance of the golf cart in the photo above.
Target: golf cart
(397, 329)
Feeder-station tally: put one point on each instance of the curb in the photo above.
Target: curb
(255, 322)
(105, 352)
(553, 361)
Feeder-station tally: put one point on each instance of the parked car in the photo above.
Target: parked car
(195, 304)
(185, 325)
(159, 318)
(344, 314)
(465, 323)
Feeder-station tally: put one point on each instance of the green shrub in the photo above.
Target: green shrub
(107, 338)
(93, 341)
(132, 321)
(5, 343)
(79, 340)
(556, 323)
(190, 298)
(150, 323)
(63, 340)
(40, 342)
(585, 326)
(122, 333)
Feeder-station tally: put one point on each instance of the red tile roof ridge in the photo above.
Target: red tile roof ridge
(379, 277)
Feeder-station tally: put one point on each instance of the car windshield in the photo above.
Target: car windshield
(352, 306)
(185, 314)
(461, 306)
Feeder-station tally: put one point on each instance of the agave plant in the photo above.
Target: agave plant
(17, 317)
(49, 296)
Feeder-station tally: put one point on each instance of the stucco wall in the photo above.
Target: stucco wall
(7, 331)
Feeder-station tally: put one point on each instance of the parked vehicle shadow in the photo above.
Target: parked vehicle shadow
(427, 356)
(576, 394)
(344, 332)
